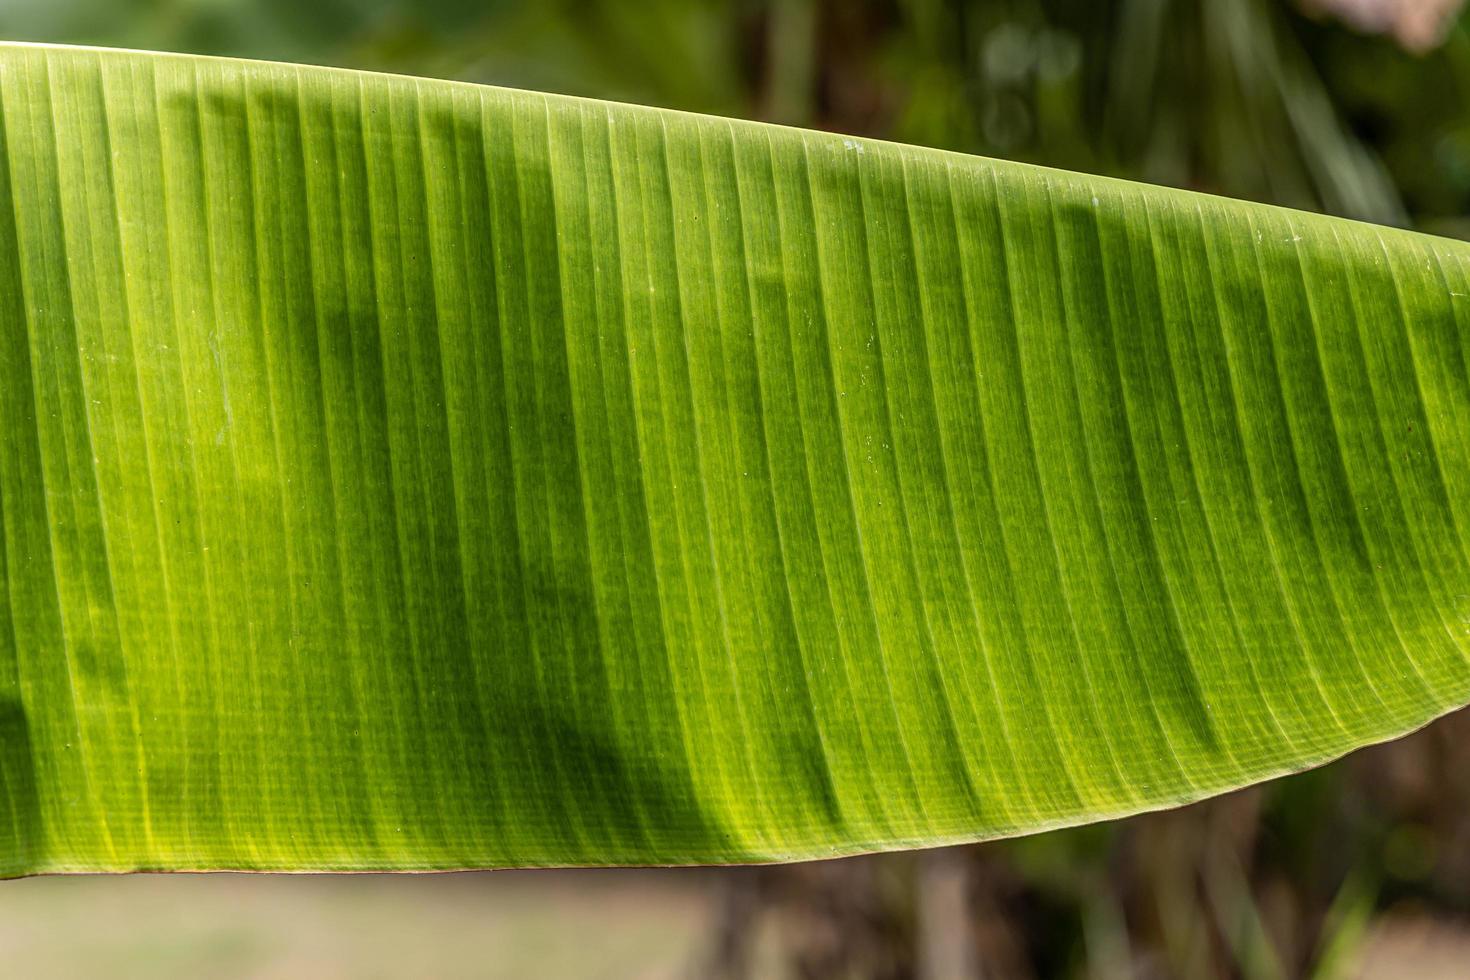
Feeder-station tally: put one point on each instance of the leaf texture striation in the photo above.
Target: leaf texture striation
(402, 474)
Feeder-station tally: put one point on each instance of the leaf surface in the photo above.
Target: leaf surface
(407, 474)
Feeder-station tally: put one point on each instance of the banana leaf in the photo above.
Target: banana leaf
(404, 474)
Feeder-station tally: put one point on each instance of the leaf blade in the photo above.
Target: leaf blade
(404, 474)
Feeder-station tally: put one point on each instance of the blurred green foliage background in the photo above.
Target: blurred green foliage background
(1354, 107)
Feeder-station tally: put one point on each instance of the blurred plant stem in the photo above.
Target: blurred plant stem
(791, 40)
(946, 941)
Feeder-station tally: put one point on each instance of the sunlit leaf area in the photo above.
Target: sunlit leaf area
(406, 474)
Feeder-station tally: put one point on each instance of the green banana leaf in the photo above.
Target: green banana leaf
(407, 474)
